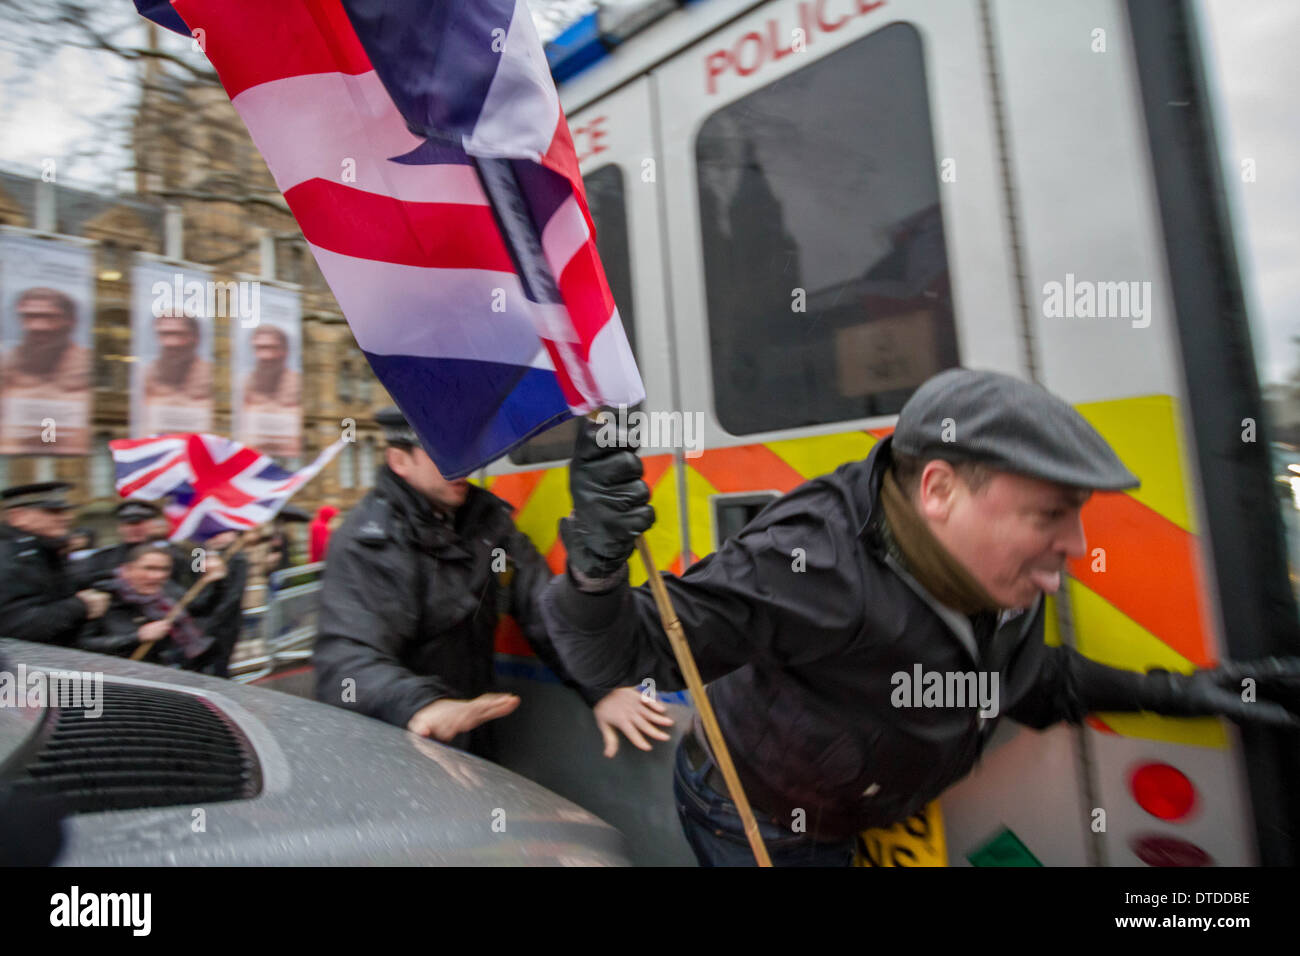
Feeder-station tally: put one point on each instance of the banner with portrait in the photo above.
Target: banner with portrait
(266, 366)
(171, 343)
(47, 319)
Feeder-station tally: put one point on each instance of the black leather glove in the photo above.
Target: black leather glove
(611, 504)
(1218, 692)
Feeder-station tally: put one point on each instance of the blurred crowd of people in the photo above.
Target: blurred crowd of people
(146, 597)
(415, 585)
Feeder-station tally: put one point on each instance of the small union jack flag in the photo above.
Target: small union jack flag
(211, 484)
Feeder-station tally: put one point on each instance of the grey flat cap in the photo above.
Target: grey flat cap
(1009, 424)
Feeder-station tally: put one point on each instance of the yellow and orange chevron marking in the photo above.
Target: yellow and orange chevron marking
(1148, 607)
(1138, 603)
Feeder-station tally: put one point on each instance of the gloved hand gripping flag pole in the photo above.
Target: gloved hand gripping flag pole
(503, 192)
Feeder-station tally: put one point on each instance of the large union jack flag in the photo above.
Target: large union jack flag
(210, 483)
(422, 149)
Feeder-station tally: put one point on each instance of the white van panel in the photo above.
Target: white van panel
(1083, 180)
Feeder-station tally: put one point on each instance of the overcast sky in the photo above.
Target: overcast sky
(1255, 68)
(1255, 47)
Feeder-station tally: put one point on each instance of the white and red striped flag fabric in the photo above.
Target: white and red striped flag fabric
(422, 148)
(210, 483)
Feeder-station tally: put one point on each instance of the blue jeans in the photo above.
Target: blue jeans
(714, 831)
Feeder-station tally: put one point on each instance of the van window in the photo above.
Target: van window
(608, 212)
(606, 201)
(825, 269)
(732, 512)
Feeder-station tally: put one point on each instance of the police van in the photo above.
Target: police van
(805, 208)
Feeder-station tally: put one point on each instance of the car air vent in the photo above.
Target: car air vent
(148, 748)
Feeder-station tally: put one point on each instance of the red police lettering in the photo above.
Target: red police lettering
(774, 41)
(592, 133)
(714, 64)
(758, 60)
(754, 50)
(821, 19)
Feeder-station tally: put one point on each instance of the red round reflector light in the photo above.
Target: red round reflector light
(1163, 791)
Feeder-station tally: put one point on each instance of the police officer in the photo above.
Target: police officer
(137, 523)
(416, 579)
(933, 553)
(38, 599)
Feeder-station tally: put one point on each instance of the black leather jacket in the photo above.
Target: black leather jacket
(800, 623)
(117, 631)
(410, 602)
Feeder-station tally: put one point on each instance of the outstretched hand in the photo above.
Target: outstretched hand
(628, 711)
(447, 718)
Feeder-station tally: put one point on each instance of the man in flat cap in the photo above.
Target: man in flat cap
(416, 580)
(936, 551)
(38, 599)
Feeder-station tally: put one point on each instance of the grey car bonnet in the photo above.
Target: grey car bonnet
(336, 789)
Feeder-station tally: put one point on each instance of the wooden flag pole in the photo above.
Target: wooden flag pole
(686, 663)
(193, 592)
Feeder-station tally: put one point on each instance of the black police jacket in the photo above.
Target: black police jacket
(410, 602)
(37, 601)
(802, 622)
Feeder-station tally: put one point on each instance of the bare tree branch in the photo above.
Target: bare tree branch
(135, 54)
(246, 199)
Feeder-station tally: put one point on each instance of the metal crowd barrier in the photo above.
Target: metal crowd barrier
(250, 662)
(283, 630)
(290, 625)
